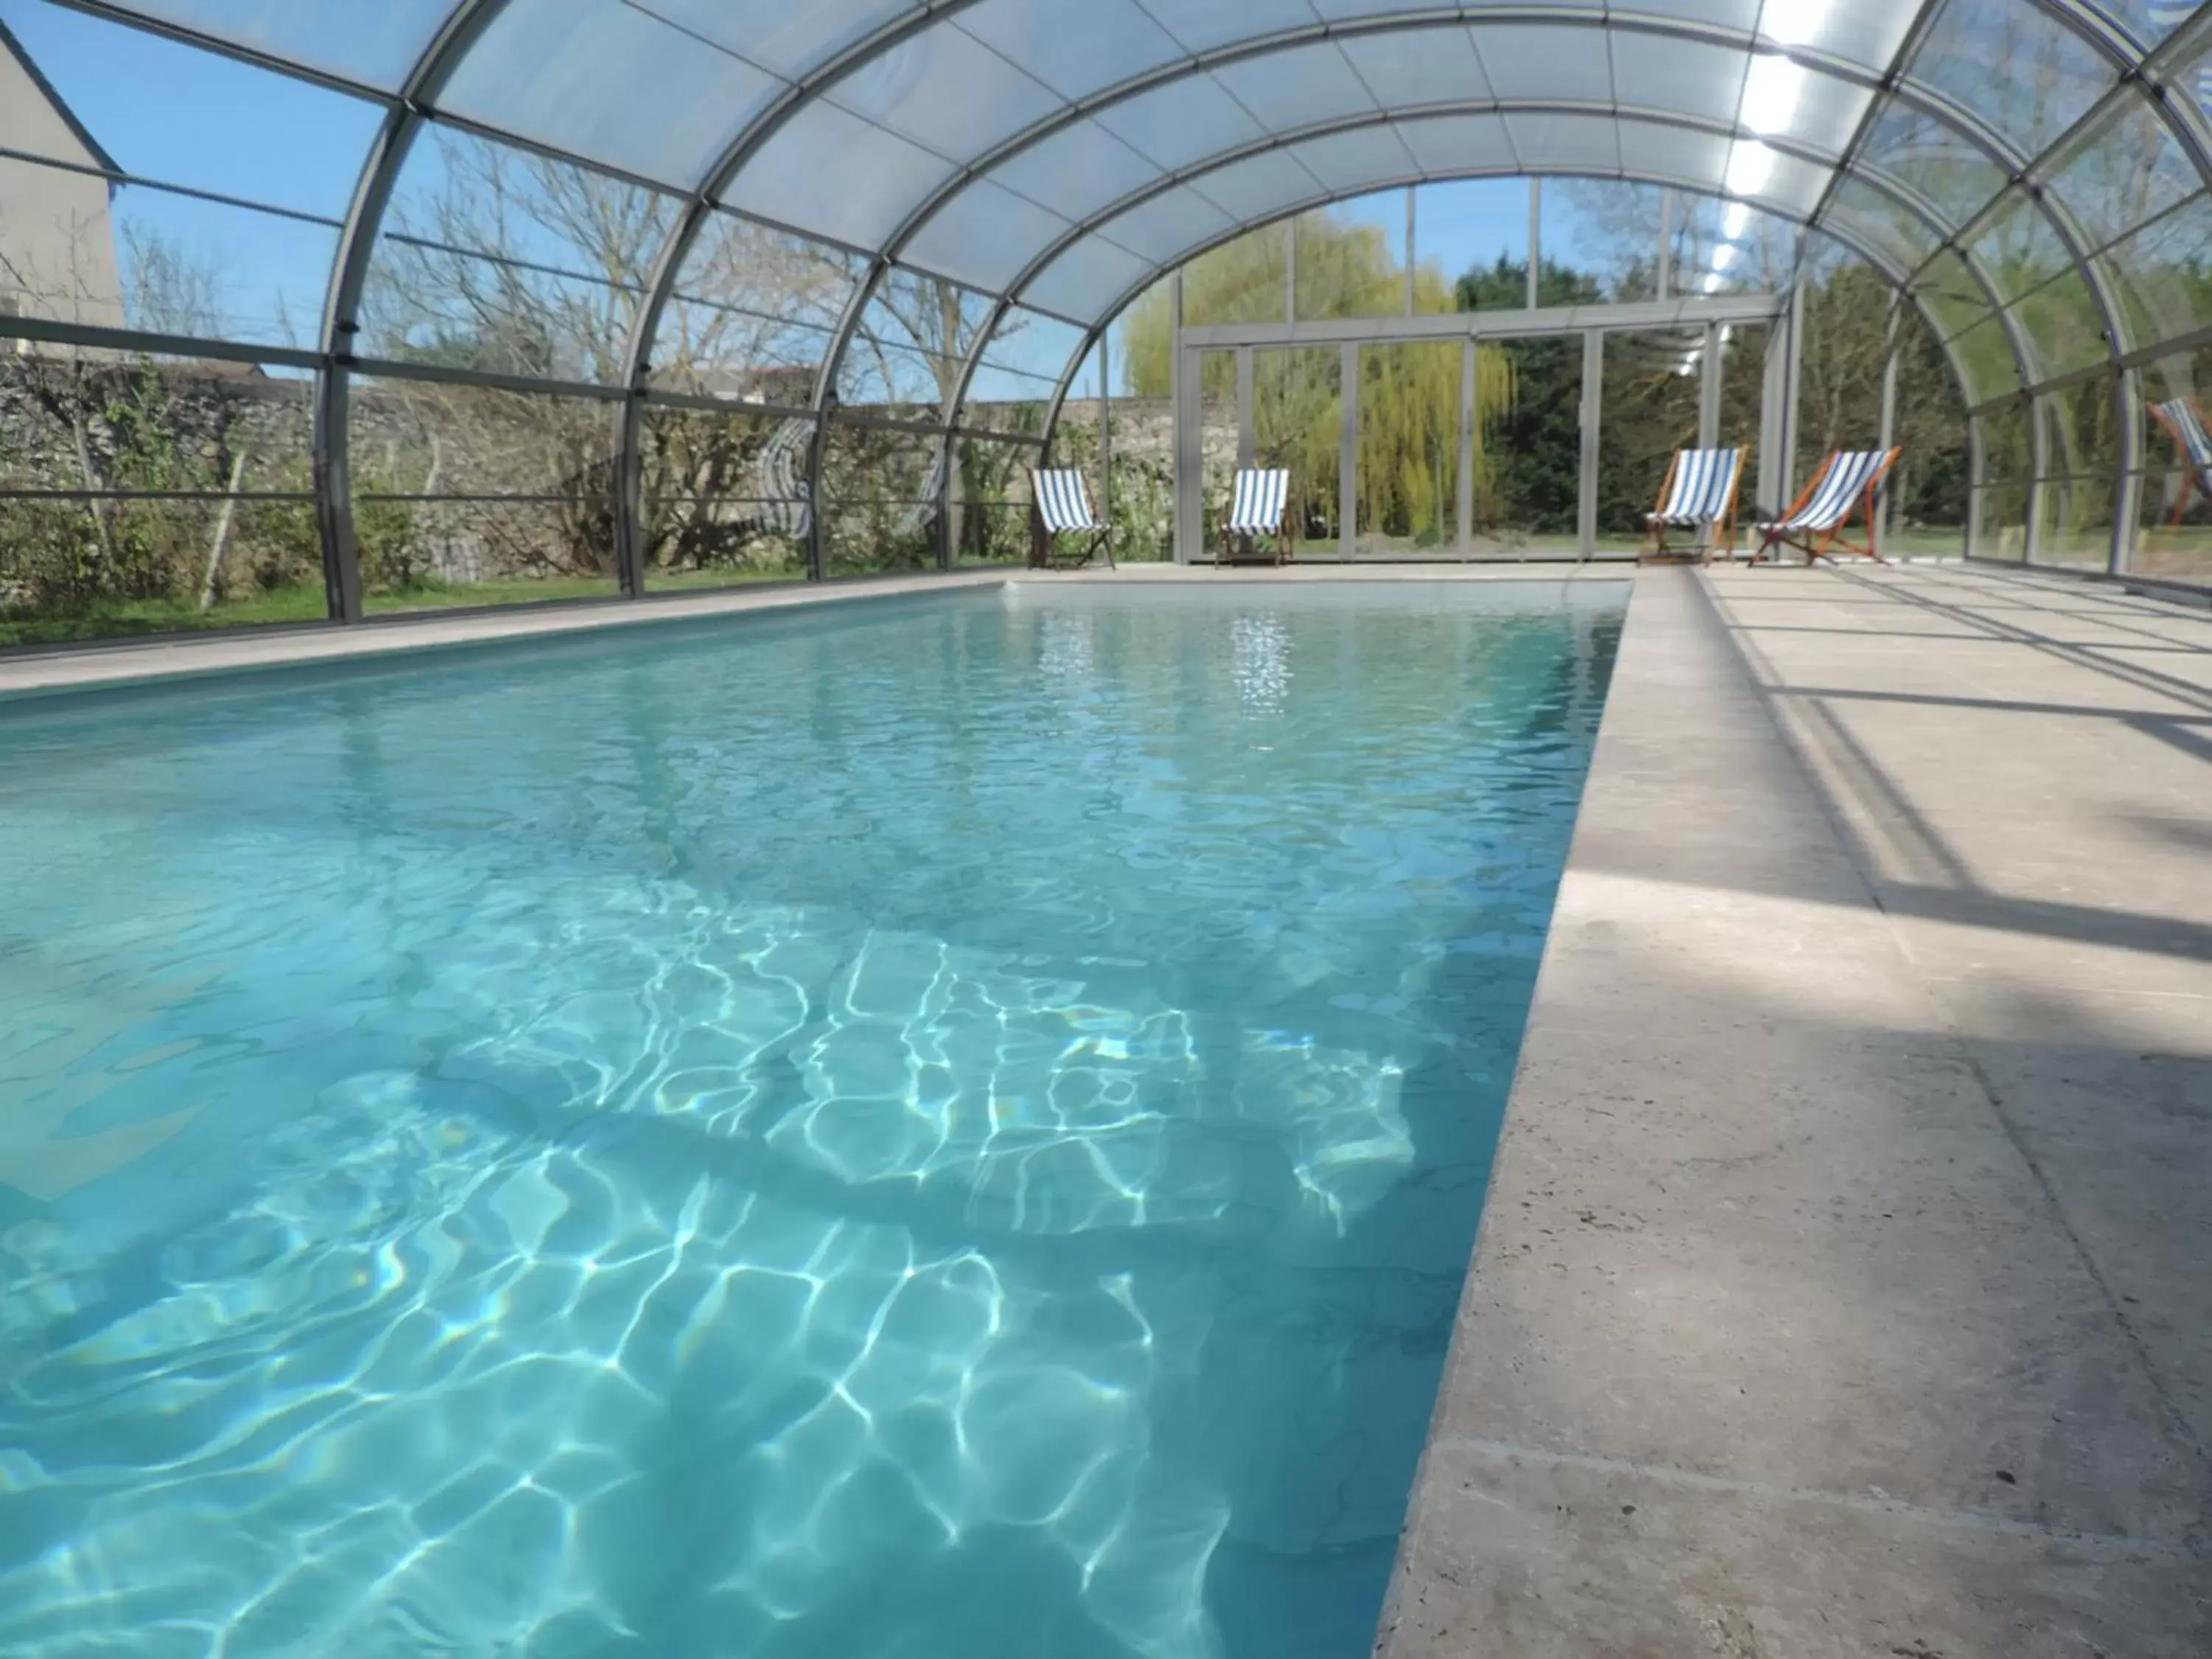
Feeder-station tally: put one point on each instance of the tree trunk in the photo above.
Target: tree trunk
(219, 544)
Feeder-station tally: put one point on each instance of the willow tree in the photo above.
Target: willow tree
(1409, 392)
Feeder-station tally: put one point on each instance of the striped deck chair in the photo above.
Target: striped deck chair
(1060, 506)
(1848, 482)
(1260, 512)
(1699, 496)
(2184, 422)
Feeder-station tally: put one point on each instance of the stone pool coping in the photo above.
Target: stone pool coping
(1839, 1289)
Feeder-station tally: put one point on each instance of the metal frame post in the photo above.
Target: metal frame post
(332, 471)
(1888, 439)
(1467, 438)
(1535, 240)
(1290, 269)
(1793, 386)
(1978, 474)
(1709, 389)
(1665, 242)
(1767, 493)
(1247, 439)
(2039, 471)
(1593, 398)
(1106, 425)
(947, 483)
(1189, 422)
(2127, 488)
(1347, 455)
(1409, 251)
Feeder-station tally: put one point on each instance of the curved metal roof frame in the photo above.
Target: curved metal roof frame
(364, 218)
(2139, 72)
(1872, 256)
(1895, 84)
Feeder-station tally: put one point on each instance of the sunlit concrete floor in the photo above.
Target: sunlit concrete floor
(1845, 1287)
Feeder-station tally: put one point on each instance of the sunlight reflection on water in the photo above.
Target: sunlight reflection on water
(949, 1129)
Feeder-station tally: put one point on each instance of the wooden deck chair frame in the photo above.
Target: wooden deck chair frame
(1046, 551)
(1715, 527)
(1818, 545)
(2193, 472)
(1242, 546)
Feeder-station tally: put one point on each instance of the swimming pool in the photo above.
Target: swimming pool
(918, 1130)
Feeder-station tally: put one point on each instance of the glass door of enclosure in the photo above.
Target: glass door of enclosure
(1650, 404)
(1527, 450)
(1297, 424)
(1460, 450)
(1468, 448)
(1411, 414)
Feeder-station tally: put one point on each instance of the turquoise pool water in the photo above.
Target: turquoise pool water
(934, 1129)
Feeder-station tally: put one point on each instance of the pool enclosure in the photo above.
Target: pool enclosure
(314, 310)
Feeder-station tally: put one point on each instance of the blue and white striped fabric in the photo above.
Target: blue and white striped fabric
(1841, 486)
(1261, 496)
(1064, 502)
(1704, 488)
(2180, 415)
(779, 482)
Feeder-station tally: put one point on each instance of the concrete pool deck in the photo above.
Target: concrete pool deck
(1843, 1282)
(1842, 1287)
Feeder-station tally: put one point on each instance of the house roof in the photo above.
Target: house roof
(83, 134)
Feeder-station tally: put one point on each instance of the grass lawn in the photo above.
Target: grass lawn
(131, 618)
(138, 618)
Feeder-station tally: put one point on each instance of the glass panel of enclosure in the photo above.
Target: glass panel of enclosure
(1219, 440)
(727, 497)
(882, 489)
(987, 504)
(2173, 506)
(1298, 425)
(141, 494)
(468, 496)
(1527, 448)
(1408, 449)
(1649, 411)
(1926, 495)
(2002, 497)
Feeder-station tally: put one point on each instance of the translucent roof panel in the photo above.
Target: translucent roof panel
(576, 74)
(1530, 61)
(377, 44)
(945, 90)
(1011, 144)
(1691, 77)
(985, 235)
(1460, 144)
(1423, 66)
(1076, 171)
(785, 40)
(831, 173)
(1867, 33)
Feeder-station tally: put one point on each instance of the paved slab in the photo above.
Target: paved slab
(1843, 1288)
